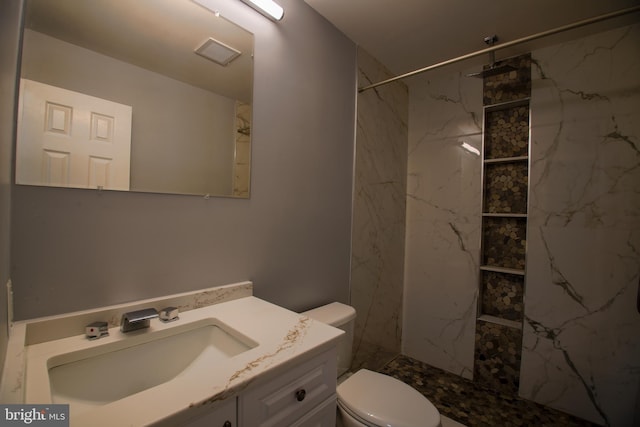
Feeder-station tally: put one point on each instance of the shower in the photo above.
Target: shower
(493, 68)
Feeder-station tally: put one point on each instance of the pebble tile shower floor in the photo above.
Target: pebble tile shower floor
(463, 401)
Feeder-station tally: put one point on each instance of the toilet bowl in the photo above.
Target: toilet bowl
(367, 398)
(371, 399)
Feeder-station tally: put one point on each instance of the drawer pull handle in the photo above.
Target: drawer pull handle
(227, 424)
(301, 394)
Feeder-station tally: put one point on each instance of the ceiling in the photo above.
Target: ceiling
(409, 34)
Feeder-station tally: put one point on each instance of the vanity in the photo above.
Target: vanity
(230, 359)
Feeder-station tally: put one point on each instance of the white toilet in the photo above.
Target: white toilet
(367, 398)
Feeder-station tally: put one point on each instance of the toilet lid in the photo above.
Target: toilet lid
(382, 400)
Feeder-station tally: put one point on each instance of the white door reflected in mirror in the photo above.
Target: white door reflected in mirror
(69, 139)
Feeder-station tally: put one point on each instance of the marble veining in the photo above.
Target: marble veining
(17, 380)
(291, 338)
(283, 341)
(581, 347)
(242, 151)
(58, 327)
(55, 327)
(379, 211)
(214, 296)
(443, 222)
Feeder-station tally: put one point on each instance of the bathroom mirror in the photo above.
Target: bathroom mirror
(144, 95)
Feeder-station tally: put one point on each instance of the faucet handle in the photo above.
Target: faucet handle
(169, 314)
(96, 330)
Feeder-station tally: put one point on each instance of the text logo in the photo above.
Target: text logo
(34, 415)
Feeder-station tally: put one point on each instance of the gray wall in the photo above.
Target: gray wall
(9, 18)
(76, 249)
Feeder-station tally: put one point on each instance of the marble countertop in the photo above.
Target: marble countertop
(280, 335)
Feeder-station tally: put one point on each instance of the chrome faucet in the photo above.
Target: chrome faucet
(140, 319)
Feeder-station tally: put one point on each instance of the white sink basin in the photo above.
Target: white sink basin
(103, 374)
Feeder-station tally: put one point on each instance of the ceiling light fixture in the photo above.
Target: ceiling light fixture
(268, 8)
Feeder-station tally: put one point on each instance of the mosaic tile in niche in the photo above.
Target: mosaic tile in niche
(497, 356)
(506, 188)
(509, 86)
(506, 132)
(504, 242)
(502, 295)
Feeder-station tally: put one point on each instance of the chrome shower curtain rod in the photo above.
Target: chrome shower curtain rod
(506, 45)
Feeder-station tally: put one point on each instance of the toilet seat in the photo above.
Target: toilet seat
(353, 416)
(380, 400)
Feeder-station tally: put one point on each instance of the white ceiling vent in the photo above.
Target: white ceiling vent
(217, 52)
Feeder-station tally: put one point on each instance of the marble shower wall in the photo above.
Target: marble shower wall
(443, 221)
(379, 214)
(581, 339)
(581, 349)
(242, 151)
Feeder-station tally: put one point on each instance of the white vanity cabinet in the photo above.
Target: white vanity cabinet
(322, 416)
(296, 394)
(224, 415)
(303, 394)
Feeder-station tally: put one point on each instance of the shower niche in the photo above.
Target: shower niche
(505, 188)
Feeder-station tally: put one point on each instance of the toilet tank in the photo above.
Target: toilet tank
(340, 316)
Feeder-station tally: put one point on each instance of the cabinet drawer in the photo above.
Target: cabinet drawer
(286, 398)
(322, 416)
(219, 414)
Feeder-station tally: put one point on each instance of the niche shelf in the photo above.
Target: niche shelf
(504, 215)
(505, 189)
(500, 321)
(504, 242)
(506, 131)
(502, 296)
(508, 159)
(502, 270)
